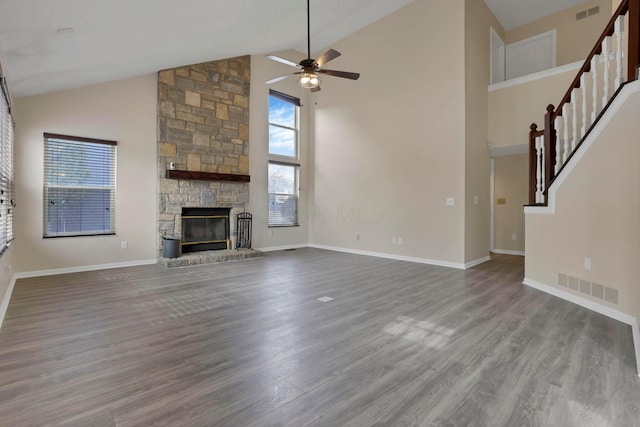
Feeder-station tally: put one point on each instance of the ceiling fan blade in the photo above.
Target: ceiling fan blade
(343, 74)
(327, 56)
(315, 89)
(284, 61)
(277, 79)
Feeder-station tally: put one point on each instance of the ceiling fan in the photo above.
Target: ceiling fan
(310, 68)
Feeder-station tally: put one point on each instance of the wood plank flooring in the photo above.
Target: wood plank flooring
(247, 343)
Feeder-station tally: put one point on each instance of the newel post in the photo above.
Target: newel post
(634, 40)
(533, 163)
(549, 148)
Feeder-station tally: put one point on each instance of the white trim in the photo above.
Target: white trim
(594, 306)
(574, 66)
(4, 304)
(492, 205)
(496, 41)
(510, 150)
(459, 266)
(477, 262)
(507, 252)
(84, 268)
(281, 248)
(609, 113)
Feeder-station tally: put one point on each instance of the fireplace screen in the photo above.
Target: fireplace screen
(205, 229)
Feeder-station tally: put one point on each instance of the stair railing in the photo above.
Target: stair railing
(597, 83)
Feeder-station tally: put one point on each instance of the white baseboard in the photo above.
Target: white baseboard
(594, 306)
(507, 252)
(438, 263)
(4, 303)
(282, 248)
(83, 268)
(477, 262)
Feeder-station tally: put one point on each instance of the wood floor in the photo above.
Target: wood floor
(247, 343)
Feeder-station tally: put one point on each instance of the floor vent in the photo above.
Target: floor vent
(596, 290)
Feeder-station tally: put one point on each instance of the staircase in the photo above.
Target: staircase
(582, 223)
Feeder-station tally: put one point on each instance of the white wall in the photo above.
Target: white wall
(263, 69)
(389, 149)
(124, 111)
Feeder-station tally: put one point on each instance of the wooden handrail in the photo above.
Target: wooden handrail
(597, 49)
(631, 8)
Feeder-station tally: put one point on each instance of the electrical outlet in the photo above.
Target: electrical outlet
(451, 201)
(587, 264)
(475, 200)
(124, 244)
(357, 237)
(400, 240)
(514, 236)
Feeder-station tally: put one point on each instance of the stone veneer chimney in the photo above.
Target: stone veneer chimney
(203, 126)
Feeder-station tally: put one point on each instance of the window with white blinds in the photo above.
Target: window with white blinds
(284, 128)
(7, 186)
(79, 186)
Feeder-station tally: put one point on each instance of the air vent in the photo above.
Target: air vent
(588, 12)
(595, 290)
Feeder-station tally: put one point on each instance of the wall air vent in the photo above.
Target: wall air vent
(594, 11)
(581, 15)
(595, 290)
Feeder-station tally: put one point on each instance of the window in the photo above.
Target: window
(284, 112)
(79, 186)
(283, 197)
(6, 167)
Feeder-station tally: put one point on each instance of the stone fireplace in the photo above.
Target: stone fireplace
(203, 143)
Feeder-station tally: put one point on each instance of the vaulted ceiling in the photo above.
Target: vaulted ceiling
(55, 45)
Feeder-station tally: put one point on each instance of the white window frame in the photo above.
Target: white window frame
(52, 138)
(292, 161)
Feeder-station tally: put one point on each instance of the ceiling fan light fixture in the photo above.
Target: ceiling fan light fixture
(309, 80)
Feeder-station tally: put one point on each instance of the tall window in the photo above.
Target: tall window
(7, 186)
(284, 120)
(79, 186)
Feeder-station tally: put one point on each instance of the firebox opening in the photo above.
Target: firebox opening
(205, 229)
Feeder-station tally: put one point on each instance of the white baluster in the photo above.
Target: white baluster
(606, 49)
(583, 89)
(574, 119)
(619, 28)
(557, 123)
(565, 127)
(540, 169)
(594, 75)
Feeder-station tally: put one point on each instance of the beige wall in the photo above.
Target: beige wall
(390, 148)
(124, 111)
(596, 216)
(512, 109)
(574, 38)
(511, 182)
(263, 69)
(478, 21)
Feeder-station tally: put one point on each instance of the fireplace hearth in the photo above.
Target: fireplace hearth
(205, 229)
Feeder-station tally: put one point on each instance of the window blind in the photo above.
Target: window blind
(79, 186)
(7, 187)
(283, 194)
